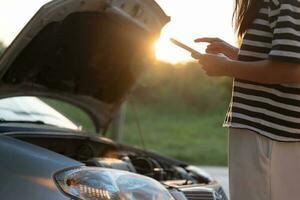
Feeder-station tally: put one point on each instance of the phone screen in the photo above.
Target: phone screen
(180, 44)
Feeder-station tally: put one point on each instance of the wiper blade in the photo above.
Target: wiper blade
(23, 121)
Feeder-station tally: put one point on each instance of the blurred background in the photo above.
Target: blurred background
(175, 101)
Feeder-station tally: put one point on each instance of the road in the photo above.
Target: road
(220, 174)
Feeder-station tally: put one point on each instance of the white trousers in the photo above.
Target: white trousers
(262, 169)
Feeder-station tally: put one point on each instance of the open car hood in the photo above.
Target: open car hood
(87, 52)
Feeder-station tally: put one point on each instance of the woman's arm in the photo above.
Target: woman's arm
(266, 71)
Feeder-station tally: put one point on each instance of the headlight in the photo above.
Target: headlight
(90, 183)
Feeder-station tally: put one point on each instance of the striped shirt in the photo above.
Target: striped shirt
(270, 110)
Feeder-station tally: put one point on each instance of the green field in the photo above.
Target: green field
(180, 132)
(180, 112)
(186, 135)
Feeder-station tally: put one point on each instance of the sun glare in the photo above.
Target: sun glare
(167, 51)
(14, 14)
(191, 19)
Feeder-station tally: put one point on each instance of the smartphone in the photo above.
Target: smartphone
(180, 44)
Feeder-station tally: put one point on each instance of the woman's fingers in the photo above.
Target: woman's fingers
(213, 51)
(196, 55)
(208, 40)
(218, 47)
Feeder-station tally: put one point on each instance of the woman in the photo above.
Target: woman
(264, 113)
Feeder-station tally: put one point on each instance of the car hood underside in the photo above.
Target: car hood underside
(90, 53)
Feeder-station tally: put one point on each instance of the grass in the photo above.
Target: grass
(180, 111)
(75, 114)
(183, 134)
(177, 131)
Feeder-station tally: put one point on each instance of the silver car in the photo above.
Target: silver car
(88, 54)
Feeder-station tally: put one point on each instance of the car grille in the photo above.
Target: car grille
(221, 194)
(199, 195)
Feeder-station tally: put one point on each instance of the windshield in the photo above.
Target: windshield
(33, 109)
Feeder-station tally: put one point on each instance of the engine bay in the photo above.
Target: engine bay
(182, 180)
(107, 154)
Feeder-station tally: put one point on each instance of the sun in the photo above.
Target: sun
(191, 19)
(167, 51)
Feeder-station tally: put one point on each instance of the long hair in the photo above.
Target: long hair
(244, 13)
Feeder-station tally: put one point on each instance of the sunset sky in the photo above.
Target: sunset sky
(190, 19)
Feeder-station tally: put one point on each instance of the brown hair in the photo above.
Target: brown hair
(244, 13)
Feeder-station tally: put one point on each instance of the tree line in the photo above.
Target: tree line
(2, 47)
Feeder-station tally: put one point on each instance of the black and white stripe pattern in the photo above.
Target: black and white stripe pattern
(271, 110)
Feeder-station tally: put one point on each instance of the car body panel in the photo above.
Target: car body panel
(27, 171)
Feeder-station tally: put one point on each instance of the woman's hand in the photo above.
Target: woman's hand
(217, 46)
(263, 71)
(213, 65)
